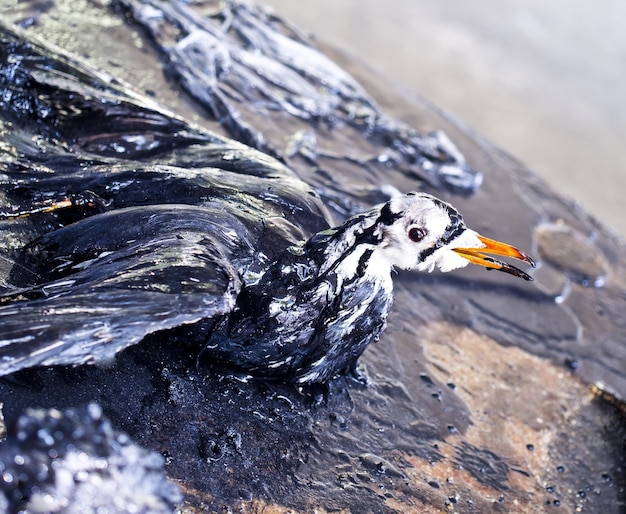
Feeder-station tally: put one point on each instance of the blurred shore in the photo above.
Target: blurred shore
(545, 81)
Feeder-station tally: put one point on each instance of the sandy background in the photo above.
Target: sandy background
(544, 80)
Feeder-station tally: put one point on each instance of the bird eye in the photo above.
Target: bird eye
(416, 234)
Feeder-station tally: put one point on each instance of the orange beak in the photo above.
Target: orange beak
(478, 256)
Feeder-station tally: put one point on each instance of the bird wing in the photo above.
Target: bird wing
(119, 277)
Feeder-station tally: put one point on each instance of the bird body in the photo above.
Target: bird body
(313, 312)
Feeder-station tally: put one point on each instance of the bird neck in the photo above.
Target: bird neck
(344, 250)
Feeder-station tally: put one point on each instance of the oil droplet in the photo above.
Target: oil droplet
(451, 501)
(425, 378)
(560, 469)
(530, 447)
(433, 484)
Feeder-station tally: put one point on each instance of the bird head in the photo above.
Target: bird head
(419, 231)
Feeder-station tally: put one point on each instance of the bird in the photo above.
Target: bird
(303, 313)
(310, 315)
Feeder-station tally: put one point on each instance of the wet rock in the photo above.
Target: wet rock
(532, 413)
(243, 445)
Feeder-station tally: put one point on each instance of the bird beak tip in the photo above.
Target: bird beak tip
(478, 256)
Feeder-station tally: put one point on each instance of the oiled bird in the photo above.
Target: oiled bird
(305, 314)
(311, 313)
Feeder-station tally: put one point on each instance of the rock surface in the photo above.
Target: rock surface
(479, 397)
